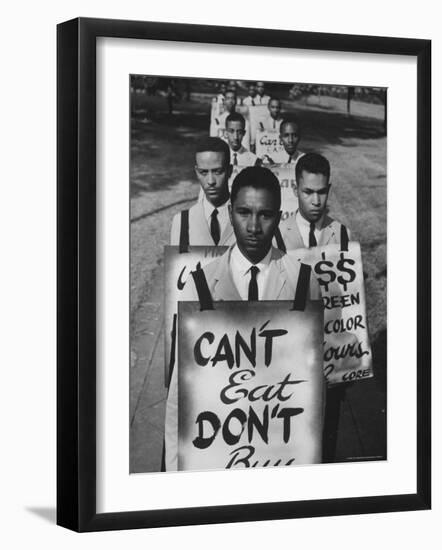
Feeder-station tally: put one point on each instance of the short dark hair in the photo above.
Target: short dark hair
(313, 163)
(274, 98)
(288, 119)
(214, 145)
(236, 117)
(257, 177)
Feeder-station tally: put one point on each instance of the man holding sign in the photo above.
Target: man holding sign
(253, 269)
(273, 120)
(236, 130)
(289, 138)
(250, 270)
(311, 225)
(262, 97)
(251, 99)
(207, 223)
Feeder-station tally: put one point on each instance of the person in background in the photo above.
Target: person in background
(311, 226)
(290, 136)
(222, 93)
(251, 99)
(273, 120)
(235, 131)
(207, 222)
(261, 97)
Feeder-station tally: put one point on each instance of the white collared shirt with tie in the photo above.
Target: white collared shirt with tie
(270, 124)
(241, 275)
(243, 157)
(304, 228)
(223, 213)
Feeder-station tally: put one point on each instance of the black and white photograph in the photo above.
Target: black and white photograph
(258, 273)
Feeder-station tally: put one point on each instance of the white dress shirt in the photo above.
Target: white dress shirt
(304, 228)
(244, 157)
(240, 270)
(223, 213)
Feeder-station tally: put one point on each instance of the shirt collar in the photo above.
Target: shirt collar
(243, 265)
(209, 208)
(239, 152)
(301, 221)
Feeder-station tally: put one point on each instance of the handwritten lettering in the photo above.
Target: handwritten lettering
(233, 426)
(344, 325)
(242, 455)
(341, 352)
(235, 390)
(232, 355)
(345, 300)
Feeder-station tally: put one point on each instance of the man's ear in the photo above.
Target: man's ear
(229, 206)
(295, 189)
(229, 171)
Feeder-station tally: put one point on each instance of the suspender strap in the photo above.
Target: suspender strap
(202, 288)
(279, 240)
(344, 238)
(302, 288)
(184, 231)
(172, 349)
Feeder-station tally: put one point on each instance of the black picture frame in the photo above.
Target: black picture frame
(77, 287)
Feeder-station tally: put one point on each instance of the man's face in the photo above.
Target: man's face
(312, 192)
(252, 90)
(213, 175)
(235, 133)
(290, 137)
(223, 89)
(255, 217)
(275, 108)
(260, 88)
(230, 101)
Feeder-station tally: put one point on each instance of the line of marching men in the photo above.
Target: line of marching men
(244, 213)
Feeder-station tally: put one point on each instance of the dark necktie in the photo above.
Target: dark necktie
(311, 236)
(253, 285)
(253, 102)
(214, 227)
(235, 159)
(290, 159)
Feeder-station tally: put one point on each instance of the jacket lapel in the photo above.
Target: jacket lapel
(201, 233)
(292, 237)
(276, 280)
(328, 232)
(227, 236)
(223, 286)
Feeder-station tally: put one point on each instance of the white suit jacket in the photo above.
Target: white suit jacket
(281, 285)
(330, 234)
(199, 230)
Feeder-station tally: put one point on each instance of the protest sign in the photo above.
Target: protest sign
(250, 385)
(217, 108)
(287, 179)
(347, 352)
(270, 146)
(177, 268)
(257, 113)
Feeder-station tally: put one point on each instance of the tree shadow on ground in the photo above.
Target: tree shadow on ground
(331, 128)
